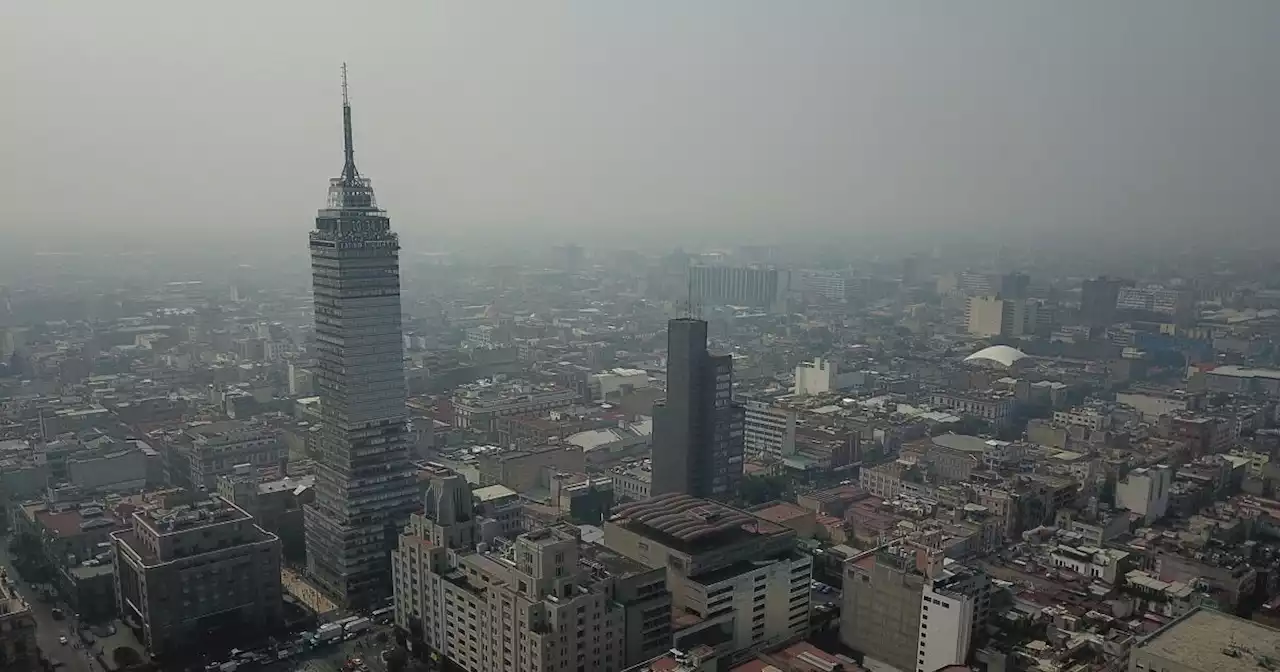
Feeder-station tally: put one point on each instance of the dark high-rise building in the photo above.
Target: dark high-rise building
(1098, 300)
(365, 484)
(698, 430)
(1014, 286)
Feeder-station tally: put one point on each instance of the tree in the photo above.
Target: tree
(761, 489)
(397, 660)
(125, 657)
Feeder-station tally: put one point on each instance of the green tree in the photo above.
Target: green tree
(760, 489)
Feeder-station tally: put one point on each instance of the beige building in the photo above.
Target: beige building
(18, 648)
(187, 571)
(905, 607)
(1208, 641)
(989, 316)
(737, 582)
(545, 602)
(216, 448)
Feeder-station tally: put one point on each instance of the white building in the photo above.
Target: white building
(827, 284)
(817, 377)
(949, 614)
(617, 382)
(769, 430)
(1100, 564)
(1092, 418)
(1145, 491)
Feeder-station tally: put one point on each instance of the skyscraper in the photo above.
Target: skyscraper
(365, 485)
(698, 431)
(1098, 300)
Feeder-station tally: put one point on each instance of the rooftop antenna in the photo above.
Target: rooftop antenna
(349, 172)
(345, 101)
(691, 303)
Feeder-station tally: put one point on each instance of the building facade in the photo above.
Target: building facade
(770, 431)
(698, 431)
(216, 449)
(739, 286)
(186, 572)
(365, 484)
(736, 580)
(544, 601)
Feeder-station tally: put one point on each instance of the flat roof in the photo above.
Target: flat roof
(1211, 640)
(492, 492)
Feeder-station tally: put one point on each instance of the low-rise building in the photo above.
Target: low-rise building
(478, 407)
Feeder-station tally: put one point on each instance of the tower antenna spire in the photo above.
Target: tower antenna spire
(345, 101)
(349, 172)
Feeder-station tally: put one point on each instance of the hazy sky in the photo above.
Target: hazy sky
(632, 120)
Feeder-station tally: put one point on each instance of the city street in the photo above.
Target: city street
(48, 629)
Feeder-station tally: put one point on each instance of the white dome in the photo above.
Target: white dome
(1000, 354)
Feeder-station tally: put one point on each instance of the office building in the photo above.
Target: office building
(828, 284)
(905, 606)
(19, 651)
(988, 316)
(216, 448)
(1014, 286)
(739, 286)
(770, 431)
(1204, 640)
(697, 429)
(195, 571)
(543, 601)
(365, 485)
(1175, 304)
(738, 583)
(1098, 300)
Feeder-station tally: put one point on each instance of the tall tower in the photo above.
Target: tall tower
(698, 430)
(365, 484)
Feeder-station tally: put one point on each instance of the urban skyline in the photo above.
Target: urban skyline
(716, 336)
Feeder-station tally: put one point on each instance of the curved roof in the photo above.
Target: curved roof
(1000, 354)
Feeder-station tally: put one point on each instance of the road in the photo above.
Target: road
(47, 629)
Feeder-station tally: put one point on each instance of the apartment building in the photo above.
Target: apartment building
(189, 571)
(544, 602)
(737, 582)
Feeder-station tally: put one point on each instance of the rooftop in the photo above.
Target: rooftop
(781, 512)
(199, 514)
(1211, 640)
(685, 520)
(998, 354)
(492, 492)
